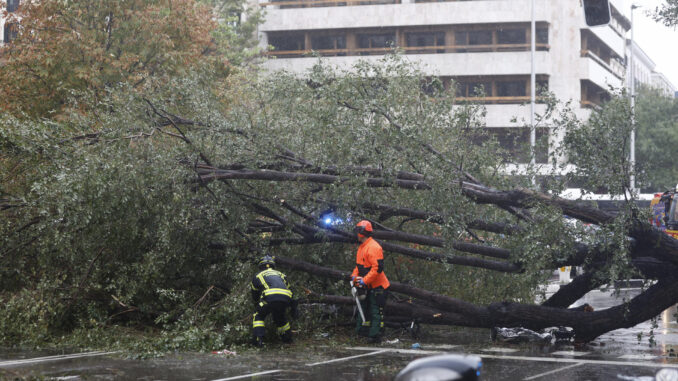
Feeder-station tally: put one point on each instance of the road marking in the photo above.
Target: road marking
(45, 358)
(583, 361)
(53, 358)
(536, 359)
(498, 349)
(397, 350)
(553, 371)
(569, 353)
(638, 357)
(442, 346)
(249, 375)
(349, 358)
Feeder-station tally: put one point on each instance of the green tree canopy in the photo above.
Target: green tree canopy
(65, 48)
(667, 13)
(181, 187)
(657, 139)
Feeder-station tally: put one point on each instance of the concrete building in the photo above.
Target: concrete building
(643, 66)
(644, 71)
(662, 83)
(6, 29)
(480, 43)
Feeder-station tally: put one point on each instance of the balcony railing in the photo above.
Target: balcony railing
(616, 72)
(516, 99)
(589, 104)
(341, 3)
(324, 3)
(408, 50)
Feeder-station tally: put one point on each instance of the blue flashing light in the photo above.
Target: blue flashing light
(330, 220)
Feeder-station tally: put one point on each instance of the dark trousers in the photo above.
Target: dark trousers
(277, 309)
(373, 307)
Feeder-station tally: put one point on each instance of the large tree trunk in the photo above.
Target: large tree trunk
(448, 310)
(653, 253)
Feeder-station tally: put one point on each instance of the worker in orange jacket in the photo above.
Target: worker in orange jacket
(368, 275)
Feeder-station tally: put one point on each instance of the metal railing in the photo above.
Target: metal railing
(340, 3)
(408, 50)
(325, 3)
(601, 62)
(513, 99)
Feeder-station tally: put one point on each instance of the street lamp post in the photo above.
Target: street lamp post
(632, 150)
(533, 132)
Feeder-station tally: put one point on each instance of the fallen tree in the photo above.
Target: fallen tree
(190, 191)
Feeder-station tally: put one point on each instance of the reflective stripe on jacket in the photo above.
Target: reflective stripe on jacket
(370, 264)
(270, 285)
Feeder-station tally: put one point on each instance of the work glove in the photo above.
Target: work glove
(359, 282)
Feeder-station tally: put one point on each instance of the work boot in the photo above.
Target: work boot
(258, 342)
(374, 340)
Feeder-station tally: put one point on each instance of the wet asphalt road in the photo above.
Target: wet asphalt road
(616, 355)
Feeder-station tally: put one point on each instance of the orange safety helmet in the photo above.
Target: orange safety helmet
(364, 229)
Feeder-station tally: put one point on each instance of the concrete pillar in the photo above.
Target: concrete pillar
(351, 42)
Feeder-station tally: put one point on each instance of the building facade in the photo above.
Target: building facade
(643, 71)
(474, 44)
(662, 83)
(7, 30)
(641, 68)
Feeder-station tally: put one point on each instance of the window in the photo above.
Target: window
(480, 37)
(542, 36)
(511, 88)
(12, 5)
(511, 36)
(372, 41)
(329, 42)
(499, 89)
(515, 143)
(470, 88)
(474, 37)
(479, 89)
(425, 39)
(9, 33)
(287, 42)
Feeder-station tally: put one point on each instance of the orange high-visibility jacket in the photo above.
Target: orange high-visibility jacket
(370, 264)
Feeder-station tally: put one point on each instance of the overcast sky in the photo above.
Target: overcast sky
(659, 42)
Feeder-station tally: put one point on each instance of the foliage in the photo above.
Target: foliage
(599, 148)
(115, 228)
(74, 46)
(657, 138)
(117, 220)
(667, 13)
(236, 31)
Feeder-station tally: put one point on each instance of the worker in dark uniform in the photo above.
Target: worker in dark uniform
(369, 274)
(271, 295)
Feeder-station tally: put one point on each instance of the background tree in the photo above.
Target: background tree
(64, 48)
(667, 13)
(657, 138)
(236, 32)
